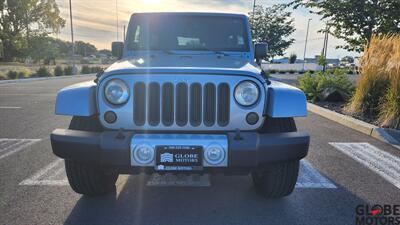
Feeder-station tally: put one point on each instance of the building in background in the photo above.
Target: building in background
(283, 64)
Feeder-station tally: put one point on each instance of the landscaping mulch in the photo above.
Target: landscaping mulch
(339, 108)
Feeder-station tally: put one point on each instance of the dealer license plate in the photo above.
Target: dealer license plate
(179, 158)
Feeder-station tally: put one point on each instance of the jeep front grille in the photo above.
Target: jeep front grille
(180, 104)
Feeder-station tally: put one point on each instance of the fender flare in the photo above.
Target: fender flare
(285, 101)
(77, 100)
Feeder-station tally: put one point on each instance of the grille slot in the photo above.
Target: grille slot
(209, 104)
(168, 104)
(195, 104)
(180, 104)
(223, 104)
(139, 104)
(154, 104)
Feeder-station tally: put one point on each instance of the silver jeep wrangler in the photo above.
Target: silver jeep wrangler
(186, 96)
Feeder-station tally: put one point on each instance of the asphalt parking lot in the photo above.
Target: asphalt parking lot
(344, 169)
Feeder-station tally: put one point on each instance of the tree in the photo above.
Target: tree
(84, 49)
(273, 25)
(105, 52)
(322, 61)
(355, 21)
(347, 59)
(292, 58)
(22, 19)
(44, 48)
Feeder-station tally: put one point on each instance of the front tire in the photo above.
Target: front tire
(279, 180)
(89, 179)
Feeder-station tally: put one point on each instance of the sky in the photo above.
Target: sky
(95, 21)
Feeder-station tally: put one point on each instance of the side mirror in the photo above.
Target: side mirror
(260, 51)
(117, 49)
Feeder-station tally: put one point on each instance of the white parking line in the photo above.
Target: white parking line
(54, 175)
(12, 146)
(9, 107)
(311, 178)
(384, 164)
(41, 177)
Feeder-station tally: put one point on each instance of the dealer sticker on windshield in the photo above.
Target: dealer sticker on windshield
(179, 158)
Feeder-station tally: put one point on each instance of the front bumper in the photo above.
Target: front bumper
(252, 151)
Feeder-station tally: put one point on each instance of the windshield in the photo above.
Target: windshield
(188, 32)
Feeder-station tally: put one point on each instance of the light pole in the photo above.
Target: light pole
(254, 8)
(116, 11)
(305, 46)
(325, 49)
(72, 39)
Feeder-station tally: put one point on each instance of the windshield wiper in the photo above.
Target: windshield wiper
(214, 51)
(171, 52)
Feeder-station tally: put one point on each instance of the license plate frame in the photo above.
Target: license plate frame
(179, 158)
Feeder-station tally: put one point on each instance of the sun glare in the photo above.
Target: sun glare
(151, 2)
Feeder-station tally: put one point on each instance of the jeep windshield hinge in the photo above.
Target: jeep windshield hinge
(265, 75)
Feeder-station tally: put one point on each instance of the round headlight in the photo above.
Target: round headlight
(246, 93)
(116, 92)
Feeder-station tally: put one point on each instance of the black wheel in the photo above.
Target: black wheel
(279, 179)
(88, 179)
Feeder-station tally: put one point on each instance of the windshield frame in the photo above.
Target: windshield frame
(247, 48)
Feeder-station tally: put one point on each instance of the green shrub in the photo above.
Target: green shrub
(309, 84)
(68, 70)
(311, 71)
(12, 74)
(2, 77)
(338, 80)
(282, 72)
(331, 71)
(292, 71)
(22, 74)
(43, 72)
(96, 69)
(272, 71)
(58, 71)
(86, 70)
(17, 74)
(313, 85)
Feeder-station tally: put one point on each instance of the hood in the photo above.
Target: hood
(188, 64)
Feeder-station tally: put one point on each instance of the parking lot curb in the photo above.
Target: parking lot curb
(355, 124)
(42, 78)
